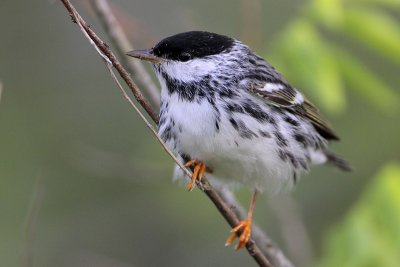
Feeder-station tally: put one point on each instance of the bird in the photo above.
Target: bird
(228, 112)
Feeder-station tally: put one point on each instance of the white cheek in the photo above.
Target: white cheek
(188, 71)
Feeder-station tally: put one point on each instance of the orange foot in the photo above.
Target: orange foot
(245, 227)
(199, 168)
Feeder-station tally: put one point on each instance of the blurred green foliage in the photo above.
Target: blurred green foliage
(310, 53)
(314, 54)
(370, 234)
(311, 64)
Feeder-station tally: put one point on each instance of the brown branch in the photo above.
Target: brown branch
(273, 253)
(122, 44)
(104, 48)
(223, 206)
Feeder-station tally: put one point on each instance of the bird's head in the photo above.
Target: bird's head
(188, 56)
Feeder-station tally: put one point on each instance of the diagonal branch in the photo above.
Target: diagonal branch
(224, 207)
(105, 51)
(122, 44)
(273, 253)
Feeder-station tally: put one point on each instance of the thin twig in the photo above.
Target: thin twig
(104, 48)
(122, 44)
(148, 124)
(224, 208)
(274, 254)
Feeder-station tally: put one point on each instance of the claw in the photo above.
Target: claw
(198, 172)
(244, 227)
(244, 237)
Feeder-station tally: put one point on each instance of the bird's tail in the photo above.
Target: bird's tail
(338, 161)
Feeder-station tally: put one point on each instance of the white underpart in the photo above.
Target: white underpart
(189, 71)
(252, 161)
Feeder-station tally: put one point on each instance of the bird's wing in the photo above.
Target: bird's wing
(284, 96)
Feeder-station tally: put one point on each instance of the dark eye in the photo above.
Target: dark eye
(185, 57)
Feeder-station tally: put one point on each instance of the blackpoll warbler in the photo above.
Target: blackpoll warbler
(227, 111)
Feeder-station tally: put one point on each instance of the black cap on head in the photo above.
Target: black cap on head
(195, 44)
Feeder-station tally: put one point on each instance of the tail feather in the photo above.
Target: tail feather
(338, 161)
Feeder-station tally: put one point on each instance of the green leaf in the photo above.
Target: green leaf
(375, 30)
(370, 234)
(367, 83)
(310, 65)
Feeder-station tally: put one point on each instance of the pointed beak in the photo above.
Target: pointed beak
(145, 54)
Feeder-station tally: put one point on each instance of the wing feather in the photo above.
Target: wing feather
(284, 96)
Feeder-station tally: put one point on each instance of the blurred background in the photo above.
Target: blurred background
(84, 183)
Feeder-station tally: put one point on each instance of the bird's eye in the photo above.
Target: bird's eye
(185, 57)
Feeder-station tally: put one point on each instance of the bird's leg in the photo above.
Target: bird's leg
(199, 168)
(243, 229)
